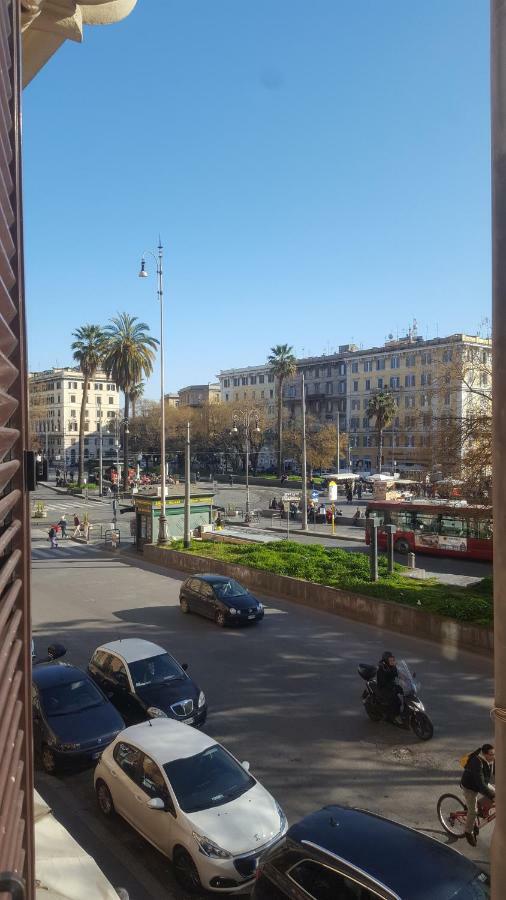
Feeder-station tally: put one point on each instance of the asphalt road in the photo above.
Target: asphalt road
(284, 695)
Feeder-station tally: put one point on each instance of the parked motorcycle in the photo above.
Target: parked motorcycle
(413, 715)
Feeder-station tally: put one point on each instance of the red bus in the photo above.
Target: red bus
(442, 528)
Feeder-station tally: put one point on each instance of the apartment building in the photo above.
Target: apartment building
(429, 384)
(197, 395)
(55, 397)
(251, 385)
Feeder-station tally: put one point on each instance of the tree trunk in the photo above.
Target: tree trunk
(82, 418)
(280, 427)
(125, 443)
(380, 448)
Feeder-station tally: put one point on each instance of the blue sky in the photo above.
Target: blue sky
(318, 171)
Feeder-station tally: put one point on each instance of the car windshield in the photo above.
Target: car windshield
(155, 670)
(230, 588)
(73, 697)
(209, 779)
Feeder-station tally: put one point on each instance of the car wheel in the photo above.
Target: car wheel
(221, 618)
(184, 605)
(402, 546)
(186, 871)
(48, 760)
(104, 799)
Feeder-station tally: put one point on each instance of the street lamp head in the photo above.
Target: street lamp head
(235, 429)
(143, 273)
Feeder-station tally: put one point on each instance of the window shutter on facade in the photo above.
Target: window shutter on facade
(16, 770)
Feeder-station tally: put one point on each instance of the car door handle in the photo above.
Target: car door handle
(113, 773)
(139, 798)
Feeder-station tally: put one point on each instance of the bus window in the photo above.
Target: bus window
(453, 525)
(480, 529)
(426, 522)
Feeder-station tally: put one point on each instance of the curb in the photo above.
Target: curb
(335, 537)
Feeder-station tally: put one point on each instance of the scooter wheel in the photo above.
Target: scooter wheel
(422, 726)
(373, 712)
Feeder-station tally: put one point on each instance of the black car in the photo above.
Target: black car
(73, 722)
(340, 853)
(220, 598)
(144, 681)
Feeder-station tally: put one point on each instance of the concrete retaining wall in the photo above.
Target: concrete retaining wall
(392, 616)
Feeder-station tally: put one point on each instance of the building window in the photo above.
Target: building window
(341, 387)
(409, 402)
(341, 368)
(292, 391)
(270, 378)
(380, 364)
(395, 382)
(368, 365)
(426, 359)
(226, 398)
(316, 372)
(244, 379)
(424, 400)
(355, 404)
(427, 421)
(395, 362)
(426, 379)
(410, 440)
(316, 387)
(236, 382)
(409, 380)
(410, 360)
(329, 387)
(355, 386)
(329, 371)
(261, 378)
(329, 406)
(262, 395)
(252, 379)
(368, 384)
(271, 394)
(73, 413)
(447, 356)
(380, 383)
(365, 422)
(226, 382)
(354, 367)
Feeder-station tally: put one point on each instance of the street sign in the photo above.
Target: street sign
(291, 497)
(314, 495)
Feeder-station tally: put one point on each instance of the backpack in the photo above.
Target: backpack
(464, 760)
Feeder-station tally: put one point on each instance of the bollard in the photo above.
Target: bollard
(390, 530)
(411, 561)
(373, 547)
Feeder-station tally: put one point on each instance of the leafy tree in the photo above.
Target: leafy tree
(88, 351)
(129, 355)
(283, 365)
(382, 408)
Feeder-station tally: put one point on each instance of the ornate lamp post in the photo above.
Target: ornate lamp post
(245, 419)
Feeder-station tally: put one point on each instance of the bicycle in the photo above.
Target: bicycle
(452, 813)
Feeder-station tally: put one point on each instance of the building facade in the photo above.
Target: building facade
(55, 397)
(197, 395)
(431, 382)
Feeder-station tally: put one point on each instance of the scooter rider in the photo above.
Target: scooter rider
(388, 689)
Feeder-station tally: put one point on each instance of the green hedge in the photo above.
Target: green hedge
(350, 571)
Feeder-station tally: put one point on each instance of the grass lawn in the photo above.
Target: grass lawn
(350, 571)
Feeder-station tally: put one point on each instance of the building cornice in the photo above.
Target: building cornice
(46, 24)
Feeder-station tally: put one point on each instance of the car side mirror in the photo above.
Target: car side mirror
(54, 651)
(156, 803)
(184, 666)
(245, 765)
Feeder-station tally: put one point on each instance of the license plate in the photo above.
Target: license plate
(189, 721)
(252, 616)
(97, 755)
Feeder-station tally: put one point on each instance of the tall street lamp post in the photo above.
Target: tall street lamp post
(245, 419)
(162, 522)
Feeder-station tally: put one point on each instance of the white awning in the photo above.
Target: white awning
(63, 870)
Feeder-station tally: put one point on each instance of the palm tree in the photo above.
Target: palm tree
(136, 392)
(129, 355)
(283, 365)
(382, 407)
(88, 350)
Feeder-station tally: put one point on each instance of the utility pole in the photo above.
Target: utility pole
(100, 485)
(304, 458)
(187, 499)
(338, 440)
(498, 79)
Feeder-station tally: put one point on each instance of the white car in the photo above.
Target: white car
(191, 799)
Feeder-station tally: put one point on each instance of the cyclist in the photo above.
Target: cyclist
(476, 780)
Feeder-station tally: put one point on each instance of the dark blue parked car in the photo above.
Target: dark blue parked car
(340, 853)
(73, 721)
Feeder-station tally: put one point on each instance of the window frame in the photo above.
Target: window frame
(344, 869)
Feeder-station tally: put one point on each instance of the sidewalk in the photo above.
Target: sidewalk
(342, 533)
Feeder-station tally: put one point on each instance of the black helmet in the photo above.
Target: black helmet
(386, 656)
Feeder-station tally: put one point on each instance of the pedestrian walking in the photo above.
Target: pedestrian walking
(77, 526)
(63, 525)
(359, 490)
(349, 494)
(52, 538)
